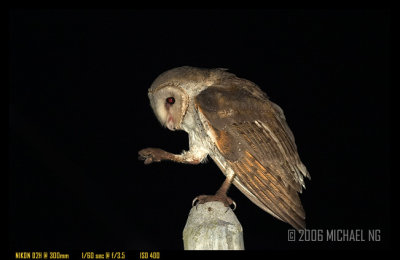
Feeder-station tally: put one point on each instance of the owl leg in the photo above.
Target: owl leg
(150, 155)
(220, 195)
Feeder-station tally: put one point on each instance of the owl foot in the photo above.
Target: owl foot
(150, 155)
(217, 197)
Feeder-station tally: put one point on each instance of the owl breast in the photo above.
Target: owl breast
(200, 139)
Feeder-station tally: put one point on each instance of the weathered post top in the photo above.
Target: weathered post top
(212, 226)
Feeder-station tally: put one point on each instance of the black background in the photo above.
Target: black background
(79, 113)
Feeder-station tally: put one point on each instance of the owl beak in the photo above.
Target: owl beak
(170, 124)
(171, 127)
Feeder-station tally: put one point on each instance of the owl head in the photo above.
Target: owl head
(173, 91)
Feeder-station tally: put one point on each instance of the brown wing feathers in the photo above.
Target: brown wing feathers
(270, 191)
(253, 136)
(267, 182)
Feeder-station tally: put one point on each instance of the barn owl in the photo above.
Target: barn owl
(232, 120)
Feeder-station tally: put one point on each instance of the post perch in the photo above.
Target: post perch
(212, 226)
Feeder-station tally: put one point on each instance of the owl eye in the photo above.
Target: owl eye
(170, 100)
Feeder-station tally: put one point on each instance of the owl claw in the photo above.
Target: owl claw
(194, 202)
(150, 155)
(207, 198)
(234, 205)
(147, 160)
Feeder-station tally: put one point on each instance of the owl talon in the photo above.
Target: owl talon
(194, 202)
(234, 205)
(218, 197)
(150, 155)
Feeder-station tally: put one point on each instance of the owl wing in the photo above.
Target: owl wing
(252, 134)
